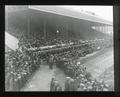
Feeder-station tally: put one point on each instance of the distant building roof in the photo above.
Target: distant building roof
(71, 13)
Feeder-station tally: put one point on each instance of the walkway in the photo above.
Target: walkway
(41, 80)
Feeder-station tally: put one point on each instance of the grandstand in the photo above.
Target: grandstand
(41, 36)
(45, 21)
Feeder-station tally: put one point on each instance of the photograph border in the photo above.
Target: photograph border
(116, 27)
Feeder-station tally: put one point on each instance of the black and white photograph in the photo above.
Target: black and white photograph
(59, 48)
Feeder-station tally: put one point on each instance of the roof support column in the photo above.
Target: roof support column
(28, 26)
(66, 29)
(107, 28)
(44, 25)
(102, 29)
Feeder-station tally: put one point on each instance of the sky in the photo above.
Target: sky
(105, 12)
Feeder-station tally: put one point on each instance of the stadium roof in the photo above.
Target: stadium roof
(66, 12)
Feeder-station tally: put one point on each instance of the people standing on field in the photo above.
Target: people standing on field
(51, 61)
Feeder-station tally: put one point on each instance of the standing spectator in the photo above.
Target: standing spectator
(51, 61)
(67, 84)
(73, 85)
(52, 84)
(81, 88)
(59, 88)
(55, 85)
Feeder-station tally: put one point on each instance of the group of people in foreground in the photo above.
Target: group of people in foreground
(78, 80)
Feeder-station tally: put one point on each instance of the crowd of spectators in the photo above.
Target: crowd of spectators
(19, 69)
(78, 79)
(23, 63)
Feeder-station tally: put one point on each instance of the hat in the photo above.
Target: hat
(85, 80)
(16, 79)
(81, 84)
(53, 77)
(84, 88)
(105, 89)
(92, 81)
(68, 78)
(106, 85)
(89, 87)
(72, 80)
(78, 63)
(19, 76)
(81, 75)
(88, 82)
(102, 85)
(82, 78)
